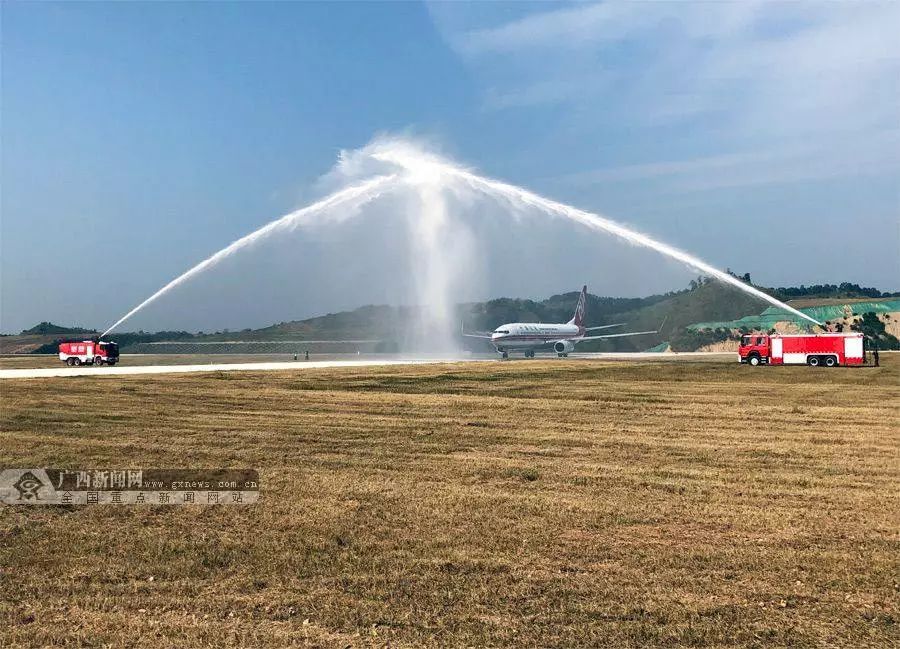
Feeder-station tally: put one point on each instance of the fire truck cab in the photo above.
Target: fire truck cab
(755, 349)
(828, 349)
(89, 352)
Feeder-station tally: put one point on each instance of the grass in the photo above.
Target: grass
(569, 503)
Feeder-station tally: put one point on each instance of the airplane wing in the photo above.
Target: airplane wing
(635, 333)
(476, 334)
(604, 327)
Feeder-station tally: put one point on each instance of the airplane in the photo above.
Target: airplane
(530, 336)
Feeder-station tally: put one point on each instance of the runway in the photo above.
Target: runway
(120, 370)
(124, 369)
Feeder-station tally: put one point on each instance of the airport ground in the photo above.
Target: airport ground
(529, 503)
(51, 361)
(29, 361)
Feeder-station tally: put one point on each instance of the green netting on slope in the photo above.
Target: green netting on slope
(822, 313)
(661, 347)
(768, 318)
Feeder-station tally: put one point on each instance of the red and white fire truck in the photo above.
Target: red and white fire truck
(89, 352)
(828, 349)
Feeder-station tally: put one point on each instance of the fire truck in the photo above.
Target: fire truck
(89, 352)
(828, 349)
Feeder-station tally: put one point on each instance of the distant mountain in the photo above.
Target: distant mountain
(41, 336)
(672, 314)
(50, 329)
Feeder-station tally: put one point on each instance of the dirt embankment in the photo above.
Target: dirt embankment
(724, 346)
(891, 321)
(891, 325)
(785, 327)
(24, 344)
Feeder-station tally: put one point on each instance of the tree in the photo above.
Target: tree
(873, 328)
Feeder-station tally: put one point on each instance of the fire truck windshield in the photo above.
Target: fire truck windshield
(745, 340)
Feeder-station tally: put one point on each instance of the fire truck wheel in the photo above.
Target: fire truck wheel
(98, 362)
(76, 361)
(753, 360)
(70, 362)
(813, 361)
(830, 361)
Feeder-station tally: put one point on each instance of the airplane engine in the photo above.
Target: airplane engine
(563, 346)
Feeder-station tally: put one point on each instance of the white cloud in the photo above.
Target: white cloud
(754, 168)
(809, 89)
(566, 28)
(585, 26)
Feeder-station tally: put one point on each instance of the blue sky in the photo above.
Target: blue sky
(139, 138)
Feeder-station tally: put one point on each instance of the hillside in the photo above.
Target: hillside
(50, 329)
(877, 318)
(38, 337)
(706, 313)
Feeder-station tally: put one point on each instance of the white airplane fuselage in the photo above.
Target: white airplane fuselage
(529, 335)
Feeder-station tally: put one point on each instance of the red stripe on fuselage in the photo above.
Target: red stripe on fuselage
(545, 338)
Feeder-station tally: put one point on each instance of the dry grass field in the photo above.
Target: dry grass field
(547, 503)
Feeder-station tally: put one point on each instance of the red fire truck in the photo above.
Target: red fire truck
(828, 349)
(89, 352)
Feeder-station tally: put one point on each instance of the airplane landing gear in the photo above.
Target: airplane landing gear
(562, 355)
(504, 355)
(529, 353)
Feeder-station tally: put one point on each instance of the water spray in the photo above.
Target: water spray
(430, 177)
(409, 158)
(353, 195)
(597, 222)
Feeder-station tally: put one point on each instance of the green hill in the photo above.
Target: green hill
(673, 312)
(705, 312)
(50, 329)
(42, 336)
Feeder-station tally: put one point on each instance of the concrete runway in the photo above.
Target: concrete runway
(119, 370)
(124, 369)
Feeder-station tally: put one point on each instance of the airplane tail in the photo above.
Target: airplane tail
(578, 318)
